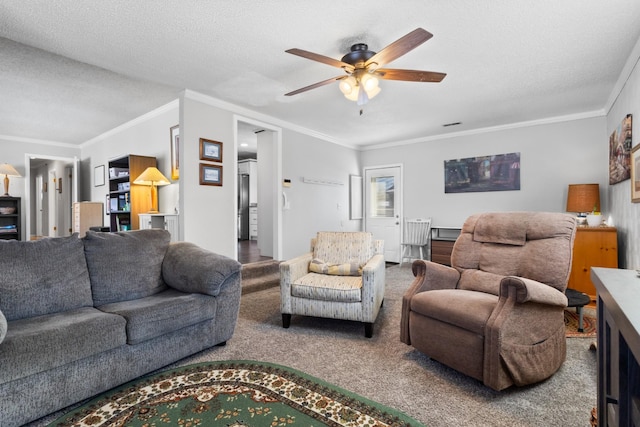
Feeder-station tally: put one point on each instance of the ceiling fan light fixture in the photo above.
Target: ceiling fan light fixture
(371, 93)
(369, 82)
(349, 86)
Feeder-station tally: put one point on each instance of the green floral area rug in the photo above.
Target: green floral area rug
(232, 393)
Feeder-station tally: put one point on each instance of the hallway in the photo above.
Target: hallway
(248, 252)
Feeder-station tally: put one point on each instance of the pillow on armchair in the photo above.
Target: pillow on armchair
(346, 269)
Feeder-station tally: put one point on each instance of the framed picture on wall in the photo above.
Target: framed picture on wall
(174, 135)
(619, 152)
(210, 174)
(98, 176)
(635, 174)
(210, 150)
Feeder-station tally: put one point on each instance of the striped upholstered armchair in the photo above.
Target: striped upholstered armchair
(341, 278)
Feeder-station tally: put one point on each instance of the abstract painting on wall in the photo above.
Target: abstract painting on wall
(620, 152)
(500, 172)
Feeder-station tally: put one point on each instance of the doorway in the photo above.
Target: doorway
(258, 214)
(51, 189)
(383, 207)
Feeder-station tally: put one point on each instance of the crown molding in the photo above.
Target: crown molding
(625, 74)
(38, 141)
(140, 119)
(214, 102)
(550, 120)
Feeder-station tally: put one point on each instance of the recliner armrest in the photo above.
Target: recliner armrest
(434, 276)
(428, 276)
(527, 290)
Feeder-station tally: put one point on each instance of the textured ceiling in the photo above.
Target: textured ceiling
(72, 70)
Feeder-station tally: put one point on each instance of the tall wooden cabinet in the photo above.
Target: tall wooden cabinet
(87, 215)
(593, 247)
(127, 200)
(10, 220)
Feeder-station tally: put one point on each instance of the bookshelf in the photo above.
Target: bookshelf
(10, 222)
(127, 200)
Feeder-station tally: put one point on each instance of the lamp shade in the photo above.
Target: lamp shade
(583, 198)
(7, 170)
(151, 176)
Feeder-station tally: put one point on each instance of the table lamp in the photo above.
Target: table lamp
(153, 177)
(7, 170)
(582, 199)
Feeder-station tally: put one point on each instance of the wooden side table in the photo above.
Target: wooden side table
(593, 247)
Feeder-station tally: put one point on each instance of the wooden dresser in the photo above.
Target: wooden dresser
(593, 247)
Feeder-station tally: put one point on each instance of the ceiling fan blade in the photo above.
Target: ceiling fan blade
(410, 75)
(399, 47)
(320, 58)
(315, 85)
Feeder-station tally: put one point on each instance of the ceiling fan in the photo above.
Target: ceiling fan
(363, 67)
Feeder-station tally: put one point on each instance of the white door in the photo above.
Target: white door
(383, 204)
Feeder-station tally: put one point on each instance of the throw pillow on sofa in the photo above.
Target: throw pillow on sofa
(126, 265)
(51, 274)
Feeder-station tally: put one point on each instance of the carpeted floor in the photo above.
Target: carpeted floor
(389, 372)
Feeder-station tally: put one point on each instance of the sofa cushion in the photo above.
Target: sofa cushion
(162, 313)
(43, 276)
(470, 311)
(126, 265)
(44, 342)
(328, 288)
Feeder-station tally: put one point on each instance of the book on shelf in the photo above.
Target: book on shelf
(8, 229)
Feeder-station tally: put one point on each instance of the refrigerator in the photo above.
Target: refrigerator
(243, 207)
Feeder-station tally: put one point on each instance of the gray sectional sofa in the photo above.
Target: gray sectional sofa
(81, 316)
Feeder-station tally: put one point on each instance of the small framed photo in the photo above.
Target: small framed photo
(98, 176)
(174, 135)
(210, 174)
(210, 150)
(635, 174)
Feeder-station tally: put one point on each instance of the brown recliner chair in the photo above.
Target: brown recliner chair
(497, 314)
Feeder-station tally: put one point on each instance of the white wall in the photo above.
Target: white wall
(268, 193)
(208, 214)
(552, 156)
(626, 215)
(315, 207)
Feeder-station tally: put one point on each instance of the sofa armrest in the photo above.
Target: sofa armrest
(373, 284)
(190, 268)
(290, 271)
(428, 276)
(527, 290)
(3, 326)
(295, 268)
